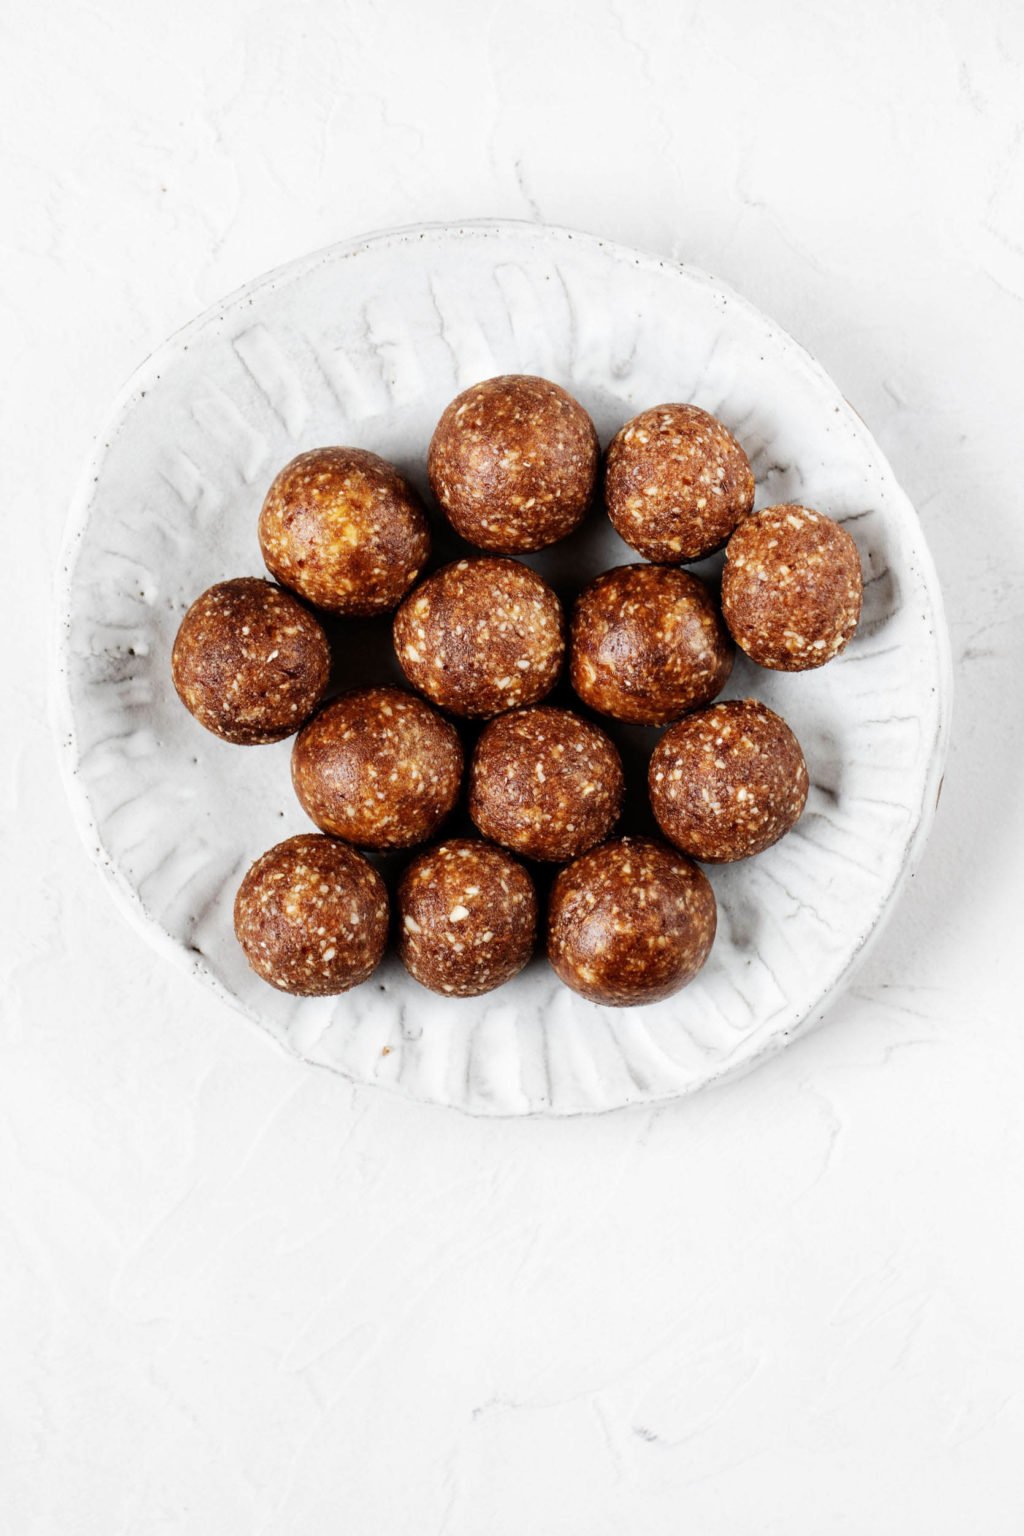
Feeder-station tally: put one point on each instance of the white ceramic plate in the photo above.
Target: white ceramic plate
(364, 344)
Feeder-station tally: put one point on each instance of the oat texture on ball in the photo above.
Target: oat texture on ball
(630, 922)
(312, 917)
(727, 782)
(467, 917)
(378, 767)
(647, 643)
(343, 529)
(545, 783)
(792, 588)
(480, 636)
(676, 483)
(513, 462)
(249, 662)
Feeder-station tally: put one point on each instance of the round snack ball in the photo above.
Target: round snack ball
(728, 781)
(378, 768)
(343, 529)
(630, 922)
(647, 643)
(249, 662)
(513, 463)
(545, 783)
(481, 636)
(676, 483)
(467, 917)
(312, 917)
(791, 588)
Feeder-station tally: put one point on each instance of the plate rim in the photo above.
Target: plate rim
(62, 720)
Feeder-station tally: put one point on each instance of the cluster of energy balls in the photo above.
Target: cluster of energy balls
(515, 465)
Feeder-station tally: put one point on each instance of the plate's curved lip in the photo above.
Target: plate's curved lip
(62, 718)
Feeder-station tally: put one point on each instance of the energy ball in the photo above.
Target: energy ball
(630, 922)
(647, 643)
(342, 528)
(513, 462)
(312, 917)
(728, 781)
(467, 918)
(249, 662)
(676, 483)
(481, 636)
(545, 783)
(378, 768)
(792, 588)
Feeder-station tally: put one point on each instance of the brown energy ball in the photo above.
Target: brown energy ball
(513, 463)
(342, 528)
(312, 917)
(545, 783)
(728, 781)
(249, 662)
(378, 767)
(630, 922)
(676, 483)
(792, 588)
(647, 643)
(467, 917)
(481, 636)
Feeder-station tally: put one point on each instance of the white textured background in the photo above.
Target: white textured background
(237, 1296)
